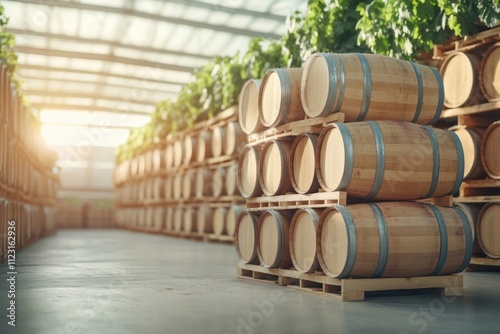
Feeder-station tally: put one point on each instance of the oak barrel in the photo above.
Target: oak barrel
(279, 97)
(234, 139)
(177, 153)
(189, 150)
(273, 230)
(231, 180)
(188, 185)
(169, 156)
(248, 107)
(371, 87)
(393, 239)
(460, 72)
(189, 220)
(203, 183)
(488, 229)
(177, 186)
(219, 182)
(204, 146)
(169, 219)
(248, 165)
(219, 220)
(274, 173)
(389, 160)
(490, 156)
(489, 73)
(204, 221)
(472, 210)
(232, 215)
(302, 162)
(471, 138)
(245, 237)
(218, 138)
(303, 231)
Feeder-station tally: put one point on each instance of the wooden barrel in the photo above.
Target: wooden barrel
(248, 107)
(178, 219)
(245, 237)
(169, 156)
(149, 216)
(488, 229)
(274, 176)
(460, 72)
(177, 186)
(169, 219)
(272, 238)
(204, 146)
(177, 153)
(303, 230)
(189, 221)
(470, 138)
(218, 137)
(489, 73)
(158, 159)
(279, 97)
(204, 222)
(169, 184)
(141, 164)
(189, 151)
(489, 151)
(203, 183)
(231, 183)
(393, 239)
(148, 157)
(472, 212)
(302, 164)
(389, 160)
(218, 182)
(219, 220)
(158, 188)
(159, 218)
(134, 166)
(234, 139)
(248, 165)
(232, 215)
(371, 87)
(188, 185)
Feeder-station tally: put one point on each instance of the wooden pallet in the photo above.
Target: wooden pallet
(485, 187)
(349, 289)
(488, 107)
(483, 263)
(220, 238)
(211, 202)
(468, 43)
(297, 201)
(295, 128)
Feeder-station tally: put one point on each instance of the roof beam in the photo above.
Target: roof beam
(69, 107)
(150, 16)
(152, 79)
(94, 41)
(99, 126)
(228, 9)
(29, 78)
(79, 95)
(101, 57)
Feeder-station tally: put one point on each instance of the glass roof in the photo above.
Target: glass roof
(116, 57)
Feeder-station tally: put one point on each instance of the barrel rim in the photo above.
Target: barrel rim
(314, 184)
(304, 83)
(256, 189)
(482, 63)
(483, 148)
(278, 218)
(281, 150)
(257, 83)
(478, 228)
(313, 213)
(255, 221)
(285, 93)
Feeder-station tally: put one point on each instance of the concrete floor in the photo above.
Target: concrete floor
(117, 282)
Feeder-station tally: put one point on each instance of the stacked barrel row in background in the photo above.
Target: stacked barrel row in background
(295, 170)
(185, 185)
(28, 186)
(471, 76)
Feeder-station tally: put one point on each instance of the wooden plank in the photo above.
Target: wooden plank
(349, 289)
(476, 199)
(485, 261)
(476, 109)
(295, 201)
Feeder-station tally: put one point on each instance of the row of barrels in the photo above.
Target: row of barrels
(25, 222)
(189, 148)
(188, 219)
(362, 86)
(471, 77)
(480, 150)
(192, 184)
(380, 160)
(385, 239)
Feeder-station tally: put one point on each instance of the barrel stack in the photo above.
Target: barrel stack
(344, 177)
(471, 76)
(28, 184)
(185, 185)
